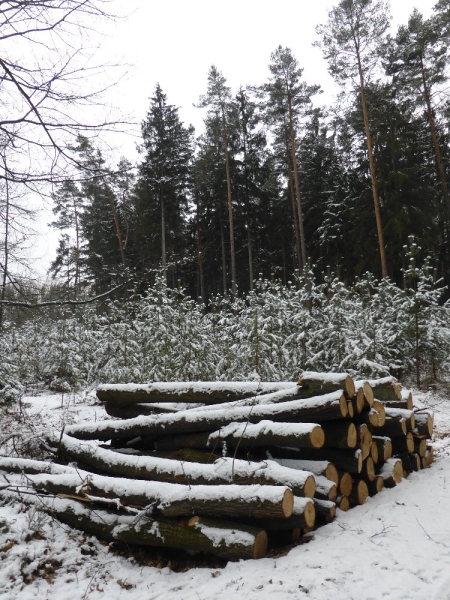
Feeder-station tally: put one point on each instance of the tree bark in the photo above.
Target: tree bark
(327, 408)
(263, 434)
(226, 470)
(373, 174)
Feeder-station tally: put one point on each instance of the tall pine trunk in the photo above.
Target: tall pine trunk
(373, 174)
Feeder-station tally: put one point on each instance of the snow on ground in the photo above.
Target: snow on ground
(396, 546)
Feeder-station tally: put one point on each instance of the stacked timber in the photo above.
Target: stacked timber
(231, 468)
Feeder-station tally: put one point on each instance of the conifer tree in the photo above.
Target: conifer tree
(287, 99)
(164, 187)
(351, 41)
(221, 109)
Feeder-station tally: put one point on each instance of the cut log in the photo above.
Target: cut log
(324, 383)
(374, 453)
(376, 485)
(340, 435)
(424, 422)
(231, 541)
(398, 413)
(208, 392)
(368, 470)
(323, 408)
(405, 401)
(393, 426)
(386, 389)
(343, 503)
(428, 458)
(364, 440)
(360, 493)
(325, 489)
(325, 511)
(121, 411)
(420, 445)
(248, 435)
(225, 470)
(317, 467)
(384, 446)
(344, 460)
(345, 484)
(175, 500)
(350, 409)
(392, 472)
(187, 454)
(367, 391)
(358, 402)
(375, 417)
(303, 517)
(416, 461)
(402, 444)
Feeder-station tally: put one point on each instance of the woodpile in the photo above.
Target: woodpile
(231, 468)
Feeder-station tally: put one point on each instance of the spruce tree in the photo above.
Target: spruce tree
(163, 188)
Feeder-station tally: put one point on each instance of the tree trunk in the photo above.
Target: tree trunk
(226, 470)
(230, 208)
(384, 446)
(173, 500)
(245, 435)
(327, 408)
(373, 175)
(297, 182)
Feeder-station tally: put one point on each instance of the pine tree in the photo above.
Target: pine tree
(221, 109)
(288, 98)
(350, 41)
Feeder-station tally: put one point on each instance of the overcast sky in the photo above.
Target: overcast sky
(174, 42)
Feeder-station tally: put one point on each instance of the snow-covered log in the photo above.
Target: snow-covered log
(344, 460)
(262, 434)
(175, 500)
(224, 470)
(314, 410)
(384, 446)
(206, 392)
(325, 510)
(325, 489)
(403, 443)
(317, 467)
(359, 494)
(392, 472)
(364, 439)
(324, 383)
(424, 423)
(303, 517)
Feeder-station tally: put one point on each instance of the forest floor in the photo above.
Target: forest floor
(396, 546)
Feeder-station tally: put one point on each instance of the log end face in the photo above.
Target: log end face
(287, 503)
(332, 474)
(310, 487)
(368, 393)
(317, 437)
(260, 545)
(362, 491)
(349, 386)
(352, 436)
(343, 406)
(310, 515)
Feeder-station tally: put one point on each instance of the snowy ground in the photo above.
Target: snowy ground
(396, 546)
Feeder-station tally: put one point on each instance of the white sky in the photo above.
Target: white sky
(174, 42)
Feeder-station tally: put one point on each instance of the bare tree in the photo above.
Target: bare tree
(46, 66)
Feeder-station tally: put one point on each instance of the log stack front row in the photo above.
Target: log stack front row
(231, 468)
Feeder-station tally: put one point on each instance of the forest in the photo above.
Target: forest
(286, 236)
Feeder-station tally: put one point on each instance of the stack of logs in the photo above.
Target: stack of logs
(231, 468)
